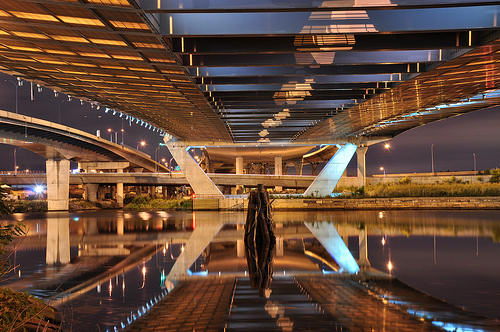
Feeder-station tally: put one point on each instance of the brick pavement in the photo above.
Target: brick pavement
(356, 310)
(197, 305)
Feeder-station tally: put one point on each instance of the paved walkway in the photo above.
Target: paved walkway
(356, 309)
(306, 303)
(198, 305)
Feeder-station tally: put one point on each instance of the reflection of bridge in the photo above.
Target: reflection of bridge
(265, 74)
(104, 235)
(61, 144)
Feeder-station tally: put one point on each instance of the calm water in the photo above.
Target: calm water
(452, 255)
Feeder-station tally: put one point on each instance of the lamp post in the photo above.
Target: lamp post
(382, 169)
(15, 161)
(141, 143)
(474, 156)
(111, 132)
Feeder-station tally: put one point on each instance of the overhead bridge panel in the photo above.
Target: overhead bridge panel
(316, 22)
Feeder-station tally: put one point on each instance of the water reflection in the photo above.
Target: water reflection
(127, 262)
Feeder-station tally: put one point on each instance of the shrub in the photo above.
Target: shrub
(405, 180)
(495, 176)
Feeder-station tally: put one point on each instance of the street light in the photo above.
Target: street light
(387, 146)
(122, 131)
(141, 143)
(382, 169)
(111, 131)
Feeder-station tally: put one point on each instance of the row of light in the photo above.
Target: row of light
(98, 107)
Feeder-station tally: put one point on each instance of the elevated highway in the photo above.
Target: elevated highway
(269, 73)
(164, 179)
(60, 144)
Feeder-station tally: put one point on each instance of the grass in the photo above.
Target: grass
(424, 190)
(23, 312)
(142, 202)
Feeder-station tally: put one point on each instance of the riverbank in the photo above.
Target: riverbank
(394, 203)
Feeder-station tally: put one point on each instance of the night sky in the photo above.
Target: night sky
(455, 139)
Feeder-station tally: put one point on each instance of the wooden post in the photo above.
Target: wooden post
(259, 240)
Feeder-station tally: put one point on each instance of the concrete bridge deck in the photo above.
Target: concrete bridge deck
(289, 181)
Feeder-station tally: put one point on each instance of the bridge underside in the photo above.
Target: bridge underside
(259, 72)
(309, 72)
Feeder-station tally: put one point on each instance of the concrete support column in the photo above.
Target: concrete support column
(91, 190)
(57, 184)
(329, 176)
(239, 170)
(198, 180)
(57, 240)
(363, 249)
(119, 190)
(278, 170)
(239, 165)
(361, 153)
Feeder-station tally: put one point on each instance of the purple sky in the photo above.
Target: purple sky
(455, 139)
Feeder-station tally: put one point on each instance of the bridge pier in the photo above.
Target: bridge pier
(91, 192)
(199, 181)
(239, 171)
(57, 184)
(330, 175)
(119, 190)
(360, 154)
(278, 170)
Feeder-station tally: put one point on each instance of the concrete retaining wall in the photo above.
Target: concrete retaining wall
(362, 204)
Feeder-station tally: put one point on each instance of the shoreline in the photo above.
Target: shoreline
(396, 203)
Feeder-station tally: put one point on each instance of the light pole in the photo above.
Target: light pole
(122, 131)
(475, 165)
(432, 158)
(111, 131)
(382, 169)
(141, 143)
(15, 161)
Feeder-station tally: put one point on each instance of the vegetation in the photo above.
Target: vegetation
(450, 188)
(495, 176)
(4, 208)
(145, 202)
(22, 312)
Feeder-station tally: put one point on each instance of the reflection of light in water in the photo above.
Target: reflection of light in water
(194, 220)
(276, 310)
(110, 287)
(76, 219)
(182, 248)
(127, 215)
(381, 214)
(99, 288)
(383, 241)
(144, 216)
(123, 285)
(389, 266)
(143, 271)
(162, 214)
(19, 273)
